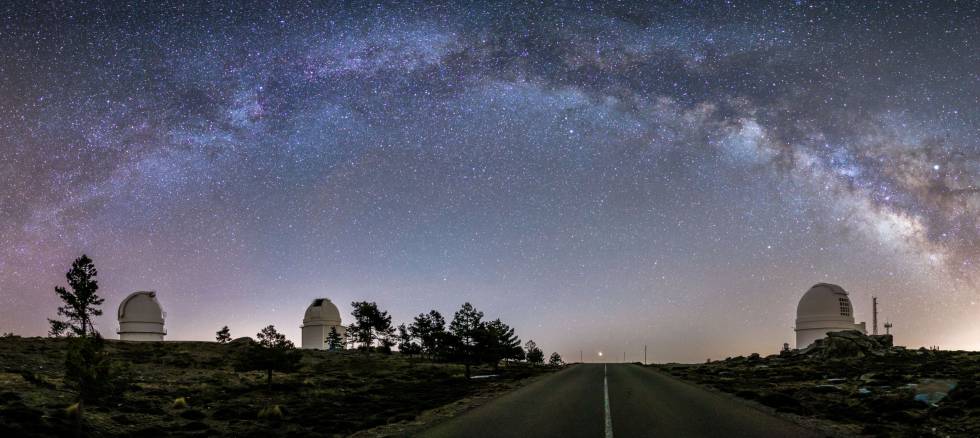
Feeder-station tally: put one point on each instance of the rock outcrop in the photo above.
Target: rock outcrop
(863, 384)
(849, 344)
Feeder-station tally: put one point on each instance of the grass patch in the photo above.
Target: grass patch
(191, 387)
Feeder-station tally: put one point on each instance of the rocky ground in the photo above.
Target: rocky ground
(334, 394)
(859, 382)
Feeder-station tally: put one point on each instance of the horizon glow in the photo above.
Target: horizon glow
(599, 177)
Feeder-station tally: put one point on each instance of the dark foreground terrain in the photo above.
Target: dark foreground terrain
(333, 394)
(859, 382)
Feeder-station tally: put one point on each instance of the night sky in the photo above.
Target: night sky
(600, 177)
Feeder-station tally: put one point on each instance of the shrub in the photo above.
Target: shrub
(35, 379)
(88, 370)
(72, 411)
(179, 403)
(273, 412)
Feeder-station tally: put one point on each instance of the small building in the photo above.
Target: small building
(141, 317)
(320, 318)
(824, 308)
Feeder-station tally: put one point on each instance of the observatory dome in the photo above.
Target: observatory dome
(824, 308)
(321, 316)
(141, 317)
(322, 310)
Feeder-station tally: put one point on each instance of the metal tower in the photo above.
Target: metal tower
(874, 317)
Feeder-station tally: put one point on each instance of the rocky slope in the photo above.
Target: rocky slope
(860, 382)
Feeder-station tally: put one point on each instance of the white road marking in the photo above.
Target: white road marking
(605, 388)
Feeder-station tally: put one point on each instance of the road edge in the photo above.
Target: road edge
(832, 429)
(435, 416)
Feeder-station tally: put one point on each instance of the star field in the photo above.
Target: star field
(601, 176)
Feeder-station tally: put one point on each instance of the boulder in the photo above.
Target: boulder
(243, 341)
(849, 344)
(932, 391)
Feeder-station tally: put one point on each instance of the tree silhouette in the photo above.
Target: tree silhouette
(348, 336)
(223, 335)
(465, 328)
(534, 354)
(81, 302)
(272, 352)
(555, 360)
(406, 344)
(386, 335)
(430, 330)
(334, 341)
(370, 324)
(496, 341)
(361, 329)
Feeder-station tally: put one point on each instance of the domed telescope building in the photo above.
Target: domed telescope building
(321, 316)
(824, 308)
(141, 317)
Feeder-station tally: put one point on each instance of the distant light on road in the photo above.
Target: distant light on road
(600, 354)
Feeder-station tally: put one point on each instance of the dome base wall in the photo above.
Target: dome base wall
(141, 337)
(315, 336)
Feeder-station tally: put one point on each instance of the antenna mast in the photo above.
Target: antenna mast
(874, 318)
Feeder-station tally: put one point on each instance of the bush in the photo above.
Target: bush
(273, 412)
(179, 403)
(72, 411)
(35, 379)
(88, 370)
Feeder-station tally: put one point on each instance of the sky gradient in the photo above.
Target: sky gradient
(599, 177)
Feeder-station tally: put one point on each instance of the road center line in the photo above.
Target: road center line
(605, 389)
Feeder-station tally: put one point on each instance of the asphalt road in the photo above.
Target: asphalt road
(622, 400)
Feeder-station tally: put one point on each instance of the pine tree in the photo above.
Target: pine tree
(81, 302)
(555, 360)
(272, 352)
(223, 335)
(465, 329)
(430, 330)
(370, 324)
(334, 341)
(362, 329)
(534, 354)
(497, 341)
(406, 343)
(348, 337)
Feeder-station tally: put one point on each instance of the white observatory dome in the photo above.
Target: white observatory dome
(320, 317)
(141, 317)
(824, 308)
